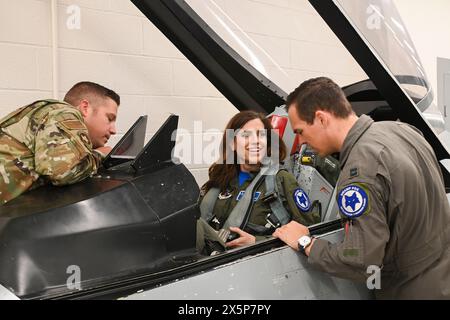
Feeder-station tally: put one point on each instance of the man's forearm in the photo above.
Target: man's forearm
(325, 256)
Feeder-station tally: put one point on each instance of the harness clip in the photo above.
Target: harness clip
(272, 221)
(269, 197)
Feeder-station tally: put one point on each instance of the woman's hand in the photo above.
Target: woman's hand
(243, 240)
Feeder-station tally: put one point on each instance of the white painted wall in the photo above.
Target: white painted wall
(119, 48)
(428, 24)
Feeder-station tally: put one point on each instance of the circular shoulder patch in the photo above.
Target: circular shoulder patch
(353, 201)
(302, 200)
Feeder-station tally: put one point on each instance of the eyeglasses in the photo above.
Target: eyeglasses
(249, 133)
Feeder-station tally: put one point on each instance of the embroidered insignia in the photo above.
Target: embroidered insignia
(84, 137)
(302, 200)
(225, 195)
(353, 201)
(215, 220)
(351, 252)
(73, 124)
(242, 193)
(354, 172)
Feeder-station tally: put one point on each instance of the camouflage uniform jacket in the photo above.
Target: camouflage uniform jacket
(44, 142)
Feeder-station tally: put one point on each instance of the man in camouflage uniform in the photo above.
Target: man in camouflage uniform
(390, 191)
(57, 142)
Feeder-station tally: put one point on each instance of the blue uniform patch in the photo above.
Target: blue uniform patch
(255, 197)
(353, 201)
(302, 200)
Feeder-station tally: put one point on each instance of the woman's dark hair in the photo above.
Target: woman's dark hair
(221, 172)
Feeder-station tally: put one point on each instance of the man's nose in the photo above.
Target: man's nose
(301, 140)
(252, 138)
(112, 128)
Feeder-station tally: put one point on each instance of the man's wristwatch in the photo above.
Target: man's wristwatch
(303, 243)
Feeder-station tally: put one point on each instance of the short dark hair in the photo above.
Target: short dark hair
(319, 94)
(81, 89)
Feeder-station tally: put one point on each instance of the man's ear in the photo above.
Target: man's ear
(322, 117)
(84, 107)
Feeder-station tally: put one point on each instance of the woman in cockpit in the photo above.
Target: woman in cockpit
(248, 193)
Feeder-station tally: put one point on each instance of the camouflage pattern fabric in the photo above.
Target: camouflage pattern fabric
(44, 142)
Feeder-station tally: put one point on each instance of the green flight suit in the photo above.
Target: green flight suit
(287, 185)
(391, 189)
(44, 142)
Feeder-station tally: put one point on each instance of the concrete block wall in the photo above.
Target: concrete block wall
(25, 57)
(119, 48)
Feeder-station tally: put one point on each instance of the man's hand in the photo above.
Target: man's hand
(104, 150)
(243, 240)
(290, 233)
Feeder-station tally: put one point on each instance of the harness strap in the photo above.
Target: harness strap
(208, 203)
(239, 212)
(274, 196)
(237, 218)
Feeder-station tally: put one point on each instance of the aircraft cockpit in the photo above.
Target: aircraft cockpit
(130, 231)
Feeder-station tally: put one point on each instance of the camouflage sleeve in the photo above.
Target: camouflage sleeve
(63, 150)
(365, 239)
(289, 185)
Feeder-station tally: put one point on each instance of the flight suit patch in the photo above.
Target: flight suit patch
(302, 200)
(84, 137)
(351, 252)
(242, 193)
(73, 124)
(354, 172)
(353, 201)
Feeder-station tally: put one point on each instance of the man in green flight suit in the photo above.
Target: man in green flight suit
(57, 142)
(390, 190)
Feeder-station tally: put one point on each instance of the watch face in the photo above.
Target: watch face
(304, 241)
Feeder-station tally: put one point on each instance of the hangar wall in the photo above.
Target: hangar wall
(114, 44)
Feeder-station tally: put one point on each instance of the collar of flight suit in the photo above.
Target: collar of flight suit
(361, 125)
(234, 182)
